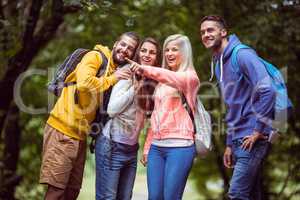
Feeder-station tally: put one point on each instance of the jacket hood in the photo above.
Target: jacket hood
(104, 49)
(107, 52)
(233, 41)
(222, 57)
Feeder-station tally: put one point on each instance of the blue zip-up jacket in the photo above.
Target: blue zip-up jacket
(247, 93)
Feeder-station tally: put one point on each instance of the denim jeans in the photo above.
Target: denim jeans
(167, 171)
(115, 169)
(246, 180)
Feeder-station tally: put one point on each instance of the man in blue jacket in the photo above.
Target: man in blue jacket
(249, 98)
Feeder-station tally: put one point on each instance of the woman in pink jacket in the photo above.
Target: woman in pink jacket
(169, 150)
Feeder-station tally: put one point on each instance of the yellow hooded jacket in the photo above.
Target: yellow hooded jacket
(73, 119)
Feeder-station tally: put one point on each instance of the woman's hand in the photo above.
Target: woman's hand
(135, 67)
(144, 159)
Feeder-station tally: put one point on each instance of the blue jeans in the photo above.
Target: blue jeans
(246, 180)
(167, 171)
(115, 169)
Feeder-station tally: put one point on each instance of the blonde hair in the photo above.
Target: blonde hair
(185, 50)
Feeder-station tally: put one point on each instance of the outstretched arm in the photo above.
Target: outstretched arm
(182, 81)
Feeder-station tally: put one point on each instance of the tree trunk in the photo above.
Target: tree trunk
(31, 45)
(32, 42)
(11, 154)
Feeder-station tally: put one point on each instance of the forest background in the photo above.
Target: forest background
(37, 35)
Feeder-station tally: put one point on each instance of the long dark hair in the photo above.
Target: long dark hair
(145, 91)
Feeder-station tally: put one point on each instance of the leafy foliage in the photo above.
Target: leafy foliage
(271, 27)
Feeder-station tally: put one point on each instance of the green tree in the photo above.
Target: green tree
(40, 34)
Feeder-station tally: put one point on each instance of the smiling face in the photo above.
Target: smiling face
(124, 48)
(148, 54)
(173, 55)
(212, 35)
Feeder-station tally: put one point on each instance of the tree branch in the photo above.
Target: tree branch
(48, 29)
(297, 192)
(71, 9)
(32, 19)
(12, 139)
(285, 181)
(1, 11)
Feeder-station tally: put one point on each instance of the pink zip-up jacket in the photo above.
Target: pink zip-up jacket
(169, 118)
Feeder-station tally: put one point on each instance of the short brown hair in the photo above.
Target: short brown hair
(216, 18)
(132, 35)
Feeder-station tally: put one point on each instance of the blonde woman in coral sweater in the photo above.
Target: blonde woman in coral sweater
(169, 149)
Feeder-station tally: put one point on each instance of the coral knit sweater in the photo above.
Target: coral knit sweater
(169, 118)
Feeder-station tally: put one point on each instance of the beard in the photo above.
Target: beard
(117, 60)
(216, 45)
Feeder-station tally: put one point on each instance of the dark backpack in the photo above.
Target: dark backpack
(100, 120)
(63, 71)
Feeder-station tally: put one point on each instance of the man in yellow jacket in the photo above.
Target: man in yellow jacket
(64, 144)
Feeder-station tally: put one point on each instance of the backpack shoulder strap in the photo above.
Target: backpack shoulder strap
(234, 62)
(100, 72)
(187, 107)
(103, 66)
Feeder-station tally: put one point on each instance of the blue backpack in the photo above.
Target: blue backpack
(283, 104)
